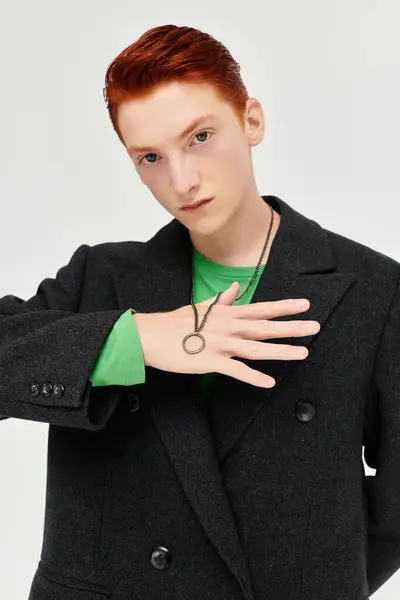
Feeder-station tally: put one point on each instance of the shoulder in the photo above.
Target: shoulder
(125, 249)
(355, 254)
(376, 270)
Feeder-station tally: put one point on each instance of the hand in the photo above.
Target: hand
(228, 331)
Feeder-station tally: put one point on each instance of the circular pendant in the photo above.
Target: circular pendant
(193, 335)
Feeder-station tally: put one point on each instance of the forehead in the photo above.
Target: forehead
(162, 116)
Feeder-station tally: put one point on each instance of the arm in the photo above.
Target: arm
(382, 452)
(121, 360)
(44, 340)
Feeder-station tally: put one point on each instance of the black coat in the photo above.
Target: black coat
(265, 497)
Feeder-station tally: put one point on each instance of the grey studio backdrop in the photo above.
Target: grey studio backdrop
(328, 76)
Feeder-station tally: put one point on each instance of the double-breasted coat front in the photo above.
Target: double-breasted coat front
(261, 494)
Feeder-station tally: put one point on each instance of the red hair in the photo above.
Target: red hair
(170, 53)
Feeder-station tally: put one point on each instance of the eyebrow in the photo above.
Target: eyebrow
(183, 134)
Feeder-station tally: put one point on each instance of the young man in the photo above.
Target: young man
(175, 470)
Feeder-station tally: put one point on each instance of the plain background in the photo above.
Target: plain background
(328, 76)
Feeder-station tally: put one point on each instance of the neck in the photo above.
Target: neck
(239, 242)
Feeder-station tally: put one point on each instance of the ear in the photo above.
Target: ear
(254, 122)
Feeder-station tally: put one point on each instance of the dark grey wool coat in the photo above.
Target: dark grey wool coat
(262, 497)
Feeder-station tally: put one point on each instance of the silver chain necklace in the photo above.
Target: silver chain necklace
(198, 328)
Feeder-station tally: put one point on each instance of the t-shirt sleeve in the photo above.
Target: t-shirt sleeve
(121, 360)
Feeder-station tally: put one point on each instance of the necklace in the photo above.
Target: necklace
(198, 328)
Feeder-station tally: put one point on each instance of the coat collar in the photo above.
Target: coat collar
(158, 278)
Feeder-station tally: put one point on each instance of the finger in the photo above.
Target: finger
(238, 370)
(254, 330)
(227, 296)
(270, 309)
(265, 351)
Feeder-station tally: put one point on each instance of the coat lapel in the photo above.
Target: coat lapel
(157, 277)
(300, 265)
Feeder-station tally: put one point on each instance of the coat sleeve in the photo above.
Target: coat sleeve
(48, 350)
(382, 452)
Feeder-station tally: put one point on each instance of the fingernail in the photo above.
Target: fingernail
(302, 304)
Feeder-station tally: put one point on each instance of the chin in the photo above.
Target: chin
(204, 227)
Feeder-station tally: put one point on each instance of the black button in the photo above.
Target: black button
(160, 557)
(305, 411)
(58, 390)
(34, 388)
(47, 389)
(133, 402)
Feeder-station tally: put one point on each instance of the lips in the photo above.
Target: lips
(196, 204)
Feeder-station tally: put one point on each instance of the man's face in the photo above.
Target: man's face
(212, 159)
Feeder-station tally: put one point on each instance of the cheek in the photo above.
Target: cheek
(152, 177)
(230, 161)
(230, 151)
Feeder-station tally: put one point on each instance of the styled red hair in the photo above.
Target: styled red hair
(170, 53)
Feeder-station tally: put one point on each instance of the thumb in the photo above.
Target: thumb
(227, 297)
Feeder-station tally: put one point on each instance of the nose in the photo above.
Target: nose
(183, 176)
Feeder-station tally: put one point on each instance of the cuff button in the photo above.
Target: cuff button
(58, 390)
(47, 389)
(34, 388)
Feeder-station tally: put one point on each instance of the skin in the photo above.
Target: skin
(214, 159)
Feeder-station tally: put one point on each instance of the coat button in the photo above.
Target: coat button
(305, 411)
(34, 388)
(58, 390)
(133, 402)
(47, 389)
(160, 558)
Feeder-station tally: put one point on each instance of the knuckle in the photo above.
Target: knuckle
(270, 327)
(277, 350)
(254, 349)
(273, 328)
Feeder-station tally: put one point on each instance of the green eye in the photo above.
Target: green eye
(150, 154)
(201, 133)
